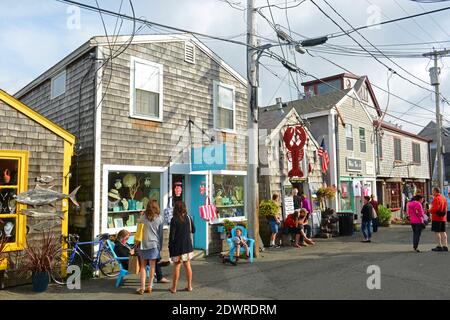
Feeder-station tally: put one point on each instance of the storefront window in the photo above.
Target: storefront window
(393, 195)
(128, 195)
(13, 175)
(346, 196)
(228, 195)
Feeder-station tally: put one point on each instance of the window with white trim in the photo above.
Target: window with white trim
(146, 90)
(224, 107)
(58, 85)
(349, 136)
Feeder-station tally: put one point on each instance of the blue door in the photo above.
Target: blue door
(201, 227)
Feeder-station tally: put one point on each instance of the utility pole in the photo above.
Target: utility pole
(253, 143)
(434, 79)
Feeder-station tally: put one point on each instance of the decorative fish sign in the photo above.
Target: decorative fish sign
(44, 179)
(40, 196)
(43, 214)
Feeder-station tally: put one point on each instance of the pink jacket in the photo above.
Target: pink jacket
(415, 212)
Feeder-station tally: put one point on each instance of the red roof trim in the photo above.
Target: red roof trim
(400, 131)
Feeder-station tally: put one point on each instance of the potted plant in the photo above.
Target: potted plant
(3, 260)
(384, 216)
(324, 194)
(39, 260)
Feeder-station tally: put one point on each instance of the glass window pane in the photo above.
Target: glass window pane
(224, 119)
(59, 84)
(146, 77)
(348, 131)
(228, 195)
(8, 229)
(346, 202)
(147, 103)
(225, 98)
(128, 194)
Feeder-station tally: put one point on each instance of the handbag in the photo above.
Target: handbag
(441, 213)
(168, 213)
(133, 265)
(208, 210)
(374, 213)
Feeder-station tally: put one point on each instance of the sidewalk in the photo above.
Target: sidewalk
(332, 269)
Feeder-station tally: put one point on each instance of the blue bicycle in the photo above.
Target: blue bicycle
(104, 259)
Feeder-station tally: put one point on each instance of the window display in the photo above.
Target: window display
(346, 201)
(228, 196)
(128, 195)
(8, 190)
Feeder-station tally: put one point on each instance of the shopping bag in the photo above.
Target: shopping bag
(139, 232)
(208, 210)
(133, 265)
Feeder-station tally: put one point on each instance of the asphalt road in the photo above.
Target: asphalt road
(332, 269)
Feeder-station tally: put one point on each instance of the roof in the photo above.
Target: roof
(389, 127)
(336, 76)
(318, 103)
(103, 41)
(22, 108)
(357, 87)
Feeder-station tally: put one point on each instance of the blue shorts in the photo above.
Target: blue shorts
(273, 226)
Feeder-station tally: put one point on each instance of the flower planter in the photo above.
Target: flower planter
(40, 281)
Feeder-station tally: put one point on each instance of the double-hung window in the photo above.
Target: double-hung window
(224, 107)
(397, 149)
(146, 98)
(416, 152)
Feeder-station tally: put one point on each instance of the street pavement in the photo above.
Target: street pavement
(332, 269)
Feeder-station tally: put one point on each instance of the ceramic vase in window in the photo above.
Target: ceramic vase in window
(118, 184)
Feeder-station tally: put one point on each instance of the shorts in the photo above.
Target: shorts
(438, 226)
(183, 258)
(274, 226)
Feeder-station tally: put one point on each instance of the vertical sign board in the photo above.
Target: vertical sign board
(212, 157)
(288, 205)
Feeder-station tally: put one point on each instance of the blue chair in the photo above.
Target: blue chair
(123, 272)
(250, 243)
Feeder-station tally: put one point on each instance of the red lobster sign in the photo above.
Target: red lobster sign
(294, 140)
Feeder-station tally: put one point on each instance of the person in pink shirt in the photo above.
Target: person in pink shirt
(416, 217)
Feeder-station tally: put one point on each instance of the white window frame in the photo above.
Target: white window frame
(107, 168)
(52, 84)
(132, 89)
(212, 173)
(216, 84)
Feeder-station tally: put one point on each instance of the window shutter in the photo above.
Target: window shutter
(189, 52)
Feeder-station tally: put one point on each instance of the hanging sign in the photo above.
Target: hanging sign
(294, 140)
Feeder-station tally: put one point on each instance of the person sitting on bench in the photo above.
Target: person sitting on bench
(295, 226)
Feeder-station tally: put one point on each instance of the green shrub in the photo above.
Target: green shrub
(268, 208)
(228, 225)
(384, 214)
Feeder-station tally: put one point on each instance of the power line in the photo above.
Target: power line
(434, 21)
(151, 23)
(345, 32)
(414, 20)
(377, 59)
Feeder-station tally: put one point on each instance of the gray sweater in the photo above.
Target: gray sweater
(152, 236)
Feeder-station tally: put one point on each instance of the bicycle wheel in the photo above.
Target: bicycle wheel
(107, 264)
(64, 259)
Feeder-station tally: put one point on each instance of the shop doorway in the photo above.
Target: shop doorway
(178, 188)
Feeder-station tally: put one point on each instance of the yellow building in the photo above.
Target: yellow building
(31, 147)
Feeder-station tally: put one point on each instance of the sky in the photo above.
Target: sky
(36, 34)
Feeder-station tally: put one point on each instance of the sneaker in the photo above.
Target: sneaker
(417, 250)
(438, 249)
(445, 249)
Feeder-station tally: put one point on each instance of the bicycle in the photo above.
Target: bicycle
(104, 259)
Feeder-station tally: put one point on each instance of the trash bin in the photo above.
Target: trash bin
(345, 223)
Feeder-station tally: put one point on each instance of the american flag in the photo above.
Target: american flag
(324, 155)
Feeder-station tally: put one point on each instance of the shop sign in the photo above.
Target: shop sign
(212, 157)
(288, 205)
(354, 164)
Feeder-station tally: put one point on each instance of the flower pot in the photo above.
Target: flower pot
(40, 281)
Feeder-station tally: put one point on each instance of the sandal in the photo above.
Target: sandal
(172, 291)
(148, 289)
(140, 291)
(188, 289)
(297, 245)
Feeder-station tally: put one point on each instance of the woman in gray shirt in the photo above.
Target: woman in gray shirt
(150, 246)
